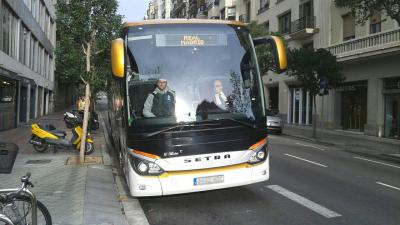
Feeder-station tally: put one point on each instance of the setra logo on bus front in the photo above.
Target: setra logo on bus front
(207, 158)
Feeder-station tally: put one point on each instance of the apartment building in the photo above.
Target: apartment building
(27, 41)
(172, 9)
(159, 9)
(151, 11)
(369, 100)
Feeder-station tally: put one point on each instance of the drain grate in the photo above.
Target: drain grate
(38, 161)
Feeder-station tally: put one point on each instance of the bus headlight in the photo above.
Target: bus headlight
(259, 156)
(144, 167)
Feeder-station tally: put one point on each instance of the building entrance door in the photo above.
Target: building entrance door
(392, 116)
(354, 105)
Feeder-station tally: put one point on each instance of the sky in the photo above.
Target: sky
(133, 10)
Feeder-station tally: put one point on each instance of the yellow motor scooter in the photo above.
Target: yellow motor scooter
(45, 136)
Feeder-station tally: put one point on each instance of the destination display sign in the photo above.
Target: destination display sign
(183, 40)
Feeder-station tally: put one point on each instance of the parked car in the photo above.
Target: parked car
(274, 122)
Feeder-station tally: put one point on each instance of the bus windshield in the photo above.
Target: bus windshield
(181, 73)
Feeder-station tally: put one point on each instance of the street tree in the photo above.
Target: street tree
(317, 71)
(362, 10)
(85, 29)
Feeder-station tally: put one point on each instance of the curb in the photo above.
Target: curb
(133, 211)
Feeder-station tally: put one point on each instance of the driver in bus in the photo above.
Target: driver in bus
(161, 102)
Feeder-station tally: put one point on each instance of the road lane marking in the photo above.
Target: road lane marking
(398, 167)
(311, 146)
(387, 185)
(304, 202)
(318, 164)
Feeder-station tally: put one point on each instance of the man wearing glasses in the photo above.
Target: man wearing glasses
(161, 102)
(219, 96)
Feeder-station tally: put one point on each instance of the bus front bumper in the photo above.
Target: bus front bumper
(179, 182)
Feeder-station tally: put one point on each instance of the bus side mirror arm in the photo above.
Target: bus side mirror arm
(277, 48)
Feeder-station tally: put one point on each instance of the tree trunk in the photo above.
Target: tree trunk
(86, 112)
(85, 124)
(314, 119)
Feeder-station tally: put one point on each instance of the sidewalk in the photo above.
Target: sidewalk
(74, 194)
(349, 141)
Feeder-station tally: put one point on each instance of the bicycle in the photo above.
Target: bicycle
(5, 220)
(21, 206)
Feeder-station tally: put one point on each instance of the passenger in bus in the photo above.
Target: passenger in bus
(161, 102)
(219, 97)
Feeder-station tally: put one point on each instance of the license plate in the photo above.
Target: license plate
(208, 180)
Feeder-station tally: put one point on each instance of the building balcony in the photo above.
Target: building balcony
(375, 44)
(244, 18)
(303, 27)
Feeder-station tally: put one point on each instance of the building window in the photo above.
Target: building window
(231, 13)
(266, 25)
(375, 23)
(28, 3)
(9, 32)
(264, 6)
(349, 27)
(33, 9)
(375, 28)
(33, 54)
(5, 28)
(222, 14)
(23, 44)
(284, 23)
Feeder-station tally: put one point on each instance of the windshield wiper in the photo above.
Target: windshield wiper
(165, 130)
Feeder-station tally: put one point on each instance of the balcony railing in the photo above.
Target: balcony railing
(302, 23)
(244, 18)
(370, 43)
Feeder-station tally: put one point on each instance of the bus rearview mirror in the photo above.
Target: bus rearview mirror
(117, 58)
(277, 48)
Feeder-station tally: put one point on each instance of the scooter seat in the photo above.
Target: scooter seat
(51, 129)
(59, 133)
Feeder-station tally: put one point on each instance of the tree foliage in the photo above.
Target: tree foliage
(311, 67)
(364, 9)
(263, 52)
(81, 23)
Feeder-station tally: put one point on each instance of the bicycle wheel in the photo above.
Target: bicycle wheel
(20, 212)
(5, 220)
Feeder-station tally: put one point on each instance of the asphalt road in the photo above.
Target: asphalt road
(310, 184)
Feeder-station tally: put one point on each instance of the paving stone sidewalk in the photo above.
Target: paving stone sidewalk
(74, 194)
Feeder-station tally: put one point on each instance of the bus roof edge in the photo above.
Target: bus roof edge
(182, 21)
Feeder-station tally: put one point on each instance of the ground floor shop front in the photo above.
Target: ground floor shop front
(367, 102)
(21, 99)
